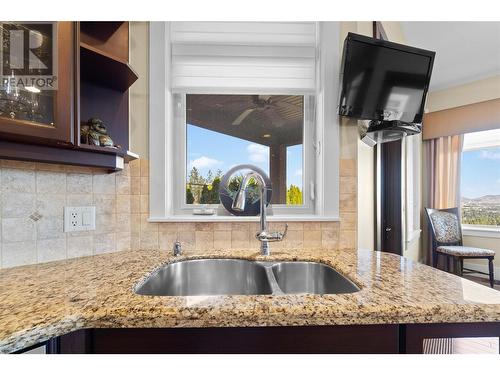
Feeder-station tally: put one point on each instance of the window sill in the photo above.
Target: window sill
(480, 231)
(214, 218)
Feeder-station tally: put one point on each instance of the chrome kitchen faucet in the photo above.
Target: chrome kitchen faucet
(263, 235)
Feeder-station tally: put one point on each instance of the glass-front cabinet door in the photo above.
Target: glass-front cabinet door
(36, 81)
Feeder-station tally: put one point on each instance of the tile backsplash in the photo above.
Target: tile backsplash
(32, 197)
(32, 200)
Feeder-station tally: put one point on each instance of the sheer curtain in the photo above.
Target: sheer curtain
(442, 159)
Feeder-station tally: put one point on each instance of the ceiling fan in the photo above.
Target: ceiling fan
(261, 103)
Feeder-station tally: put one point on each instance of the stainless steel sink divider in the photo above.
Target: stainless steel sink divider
(272, 280)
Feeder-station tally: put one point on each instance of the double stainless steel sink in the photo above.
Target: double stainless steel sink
(205, 277)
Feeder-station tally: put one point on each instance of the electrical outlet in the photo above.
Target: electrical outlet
(78, 219)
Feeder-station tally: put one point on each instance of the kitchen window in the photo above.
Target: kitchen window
(480, 180)
(230, 93)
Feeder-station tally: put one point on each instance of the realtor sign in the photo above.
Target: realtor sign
(28, 57)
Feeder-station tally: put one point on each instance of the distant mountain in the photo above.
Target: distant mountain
(485, 199)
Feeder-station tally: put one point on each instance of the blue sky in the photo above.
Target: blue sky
(207, 149)
(480, 172)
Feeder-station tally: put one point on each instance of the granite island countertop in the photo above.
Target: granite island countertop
(46, 300)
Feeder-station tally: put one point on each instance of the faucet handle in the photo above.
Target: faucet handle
(273, 236)
(283, 235)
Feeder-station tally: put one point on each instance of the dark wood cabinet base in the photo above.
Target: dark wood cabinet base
(361, 339)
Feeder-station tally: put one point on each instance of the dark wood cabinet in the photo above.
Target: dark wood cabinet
(93, 78)
(29, 112)
(342, 339)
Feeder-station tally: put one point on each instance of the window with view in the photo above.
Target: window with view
(480, 178)
(223, 131)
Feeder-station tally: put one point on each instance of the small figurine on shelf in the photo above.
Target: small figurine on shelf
(94, 133)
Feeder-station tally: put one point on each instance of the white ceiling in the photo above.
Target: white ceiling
(465, 51)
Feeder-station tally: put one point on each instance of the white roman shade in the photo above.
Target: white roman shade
(271, 57)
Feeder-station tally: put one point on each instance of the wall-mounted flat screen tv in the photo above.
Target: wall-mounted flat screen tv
(383, 81)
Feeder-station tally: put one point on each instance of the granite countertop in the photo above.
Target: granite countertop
(42, 301)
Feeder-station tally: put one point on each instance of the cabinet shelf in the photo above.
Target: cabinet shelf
(105, 69)
(104, 150)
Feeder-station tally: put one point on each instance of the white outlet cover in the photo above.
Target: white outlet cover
(78, 219)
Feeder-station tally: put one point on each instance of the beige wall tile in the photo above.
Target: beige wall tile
(50, 204)
(18, 181)
(123, 241)
(204, 240)
(79, 183)
(187, 239)
(144, 167)
(166, 240)
(105, 223)
(103, 183)
(185, 227)
(135, 168)
(348, 221)
(149, 241)
(204, 227)
(135, 204)
(18, 253)
(77, 200)
(144, 185)
(236, 226)
(135, 185)
(18, 230)
(312, 239)
(105, 203)
(135, 224)
(104, 243)
(312, 225)
(123, 223)
(167, 227)
(294, 239)
(50, 182)
(147, 226)
(348, 202)
(240, 239)
(330, 238)
(50, 250)
(135, 242)
(222, 239)
(347, 239)
(50, 227)
(79, 246)
(16, 205)
(223, 226)
(144, 204)
(348, 185)
(122, 184)
(123, 204)
(348, 168)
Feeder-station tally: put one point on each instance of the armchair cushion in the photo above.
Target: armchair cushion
(465, 251)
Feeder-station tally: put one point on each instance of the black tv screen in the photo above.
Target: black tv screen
(383, 81)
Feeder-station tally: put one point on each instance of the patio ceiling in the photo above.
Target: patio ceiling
(278, 123)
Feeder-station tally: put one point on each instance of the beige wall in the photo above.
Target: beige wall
(485, 243)
(473, 92)
(365, 160)
(138, 93)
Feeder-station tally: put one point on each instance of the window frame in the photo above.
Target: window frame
(180, 171)
(163, 135)
(478, 230)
